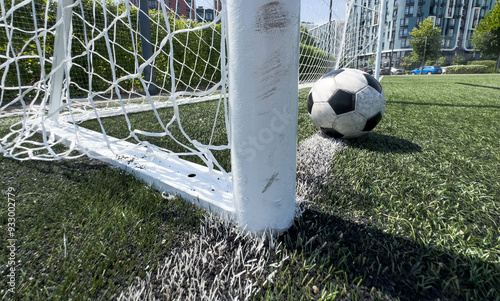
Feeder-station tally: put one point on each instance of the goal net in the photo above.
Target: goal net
(146, 85)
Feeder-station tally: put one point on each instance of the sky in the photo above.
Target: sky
(316, 11)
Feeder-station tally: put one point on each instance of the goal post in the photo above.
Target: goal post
(263, 43)
(167, 94)
(62, 49)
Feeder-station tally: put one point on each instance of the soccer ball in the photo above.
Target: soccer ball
(346, 103)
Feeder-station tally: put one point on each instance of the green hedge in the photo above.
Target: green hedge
(196, 62)
(196, 66)
(25, 49)
(196, 56)
(487, 63)
(490, 65)
(314, 63)
(466, 69)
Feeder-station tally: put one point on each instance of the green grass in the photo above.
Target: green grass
(410, 211)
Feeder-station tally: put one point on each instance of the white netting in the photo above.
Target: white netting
(338, 34)
(361, 33)
(102, 72)
(71, 63)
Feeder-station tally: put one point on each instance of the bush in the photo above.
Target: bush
(490, 65)
(20, 75)
(460, 60)
(196, 59)
(314, 63)
(487, 63)
(466, 69)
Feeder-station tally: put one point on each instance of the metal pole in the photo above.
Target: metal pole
(392, 52)
(381, 24)
(147, 48)
(329, 32)
(423, 60)
(263, 44)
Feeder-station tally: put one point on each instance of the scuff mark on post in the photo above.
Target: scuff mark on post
(270, 182)
(272, 17)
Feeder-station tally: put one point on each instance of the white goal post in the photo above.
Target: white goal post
(263, 39)
(263, 178)
(167, 92)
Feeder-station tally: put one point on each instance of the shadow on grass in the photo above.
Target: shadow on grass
(363, 257)
(479, 86)
(442, 104)
(384, 144)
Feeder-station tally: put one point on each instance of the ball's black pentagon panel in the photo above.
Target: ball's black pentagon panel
(310, 102)
(372, 122)
(342, 102)
(372, 82)
(332, 133)
(334, 73)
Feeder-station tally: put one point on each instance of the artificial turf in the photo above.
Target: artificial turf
(410, 211)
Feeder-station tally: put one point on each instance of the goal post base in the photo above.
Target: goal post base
(209, 189)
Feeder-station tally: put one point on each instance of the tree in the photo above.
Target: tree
(486, 38)
(372, 60)
(459, 60)
(306, 38)
(441, 61)
(425, 41)
(408, 61)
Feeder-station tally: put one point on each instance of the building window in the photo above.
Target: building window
(475, 17)
(375, 16)
(450, 9)
(188, 9)
(153, 4)
(404, 21)
(433, 20)
(408, 10)
(405, 44)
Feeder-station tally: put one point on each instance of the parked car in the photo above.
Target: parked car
(396, 71)
(368, 70)
(385, 71)
(427, 70)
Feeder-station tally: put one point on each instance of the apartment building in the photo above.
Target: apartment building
(456, 18)
(204, 14)
(185, 8)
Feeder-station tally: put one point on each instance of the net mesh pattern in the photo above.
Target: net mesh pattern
(78, 62)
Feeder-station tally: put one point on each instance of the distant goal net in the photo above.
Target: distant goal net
(156, 87)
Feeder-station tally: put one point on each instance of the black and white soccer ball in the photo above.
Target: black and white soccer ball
(346, 103)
